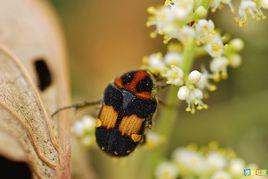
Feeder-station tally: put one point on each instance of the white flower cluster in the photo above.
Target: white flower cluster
(185, 21)
(84, 129)
(247, 9)
(250, 8)
(206, 162)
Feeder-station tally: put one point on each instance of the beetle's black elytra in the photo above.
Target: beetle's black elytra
(127, 109)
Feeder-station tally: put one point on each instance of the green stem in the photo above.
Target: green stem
(168, 116)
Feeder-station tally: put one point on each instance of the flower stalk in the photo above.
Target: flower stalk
(168, 116)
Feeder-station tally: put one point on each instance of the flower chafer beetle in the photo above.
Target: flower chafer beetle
(127, 108)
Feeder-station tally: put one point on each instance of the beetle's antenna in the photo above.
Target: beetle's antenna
(77, 106)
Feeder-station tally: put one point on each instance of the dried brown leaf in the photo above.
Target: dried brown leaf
(23, 117)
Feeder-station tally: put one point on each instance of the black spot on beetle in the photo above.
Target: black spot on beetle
(128, 77)
(145, 85)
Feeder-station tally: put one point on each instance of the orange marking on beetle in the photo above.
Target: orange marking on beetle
(138, 76)
(130, 125)
(144, 95)
(108, 116)
(118, 82)
(136, 137)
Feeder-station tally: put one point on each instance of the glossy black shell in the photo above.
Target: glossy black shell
(125, 103)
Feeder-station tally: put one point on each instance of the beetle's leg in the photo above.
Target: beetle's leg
(78, 106)
(143, 140)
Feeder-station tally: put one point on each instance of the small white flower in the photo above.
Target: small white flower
(249, 8)
(204, 83)
(205, 30)
(237, 44)
(237, 166)
(221, 175)
(175, 76)
(216, 160)
(164, 21)
(167, 17)
(235, 60)
(155, 62)
(201, 11)
(186, 35)
(219, 67)
(183, 8)
(173, 58)
(166, 170)
(215, 46)
(193, 97)
(191, 160)
(194, 77)
(196, 95)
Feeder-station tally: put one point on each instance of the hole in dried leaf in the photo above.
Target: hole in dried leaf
(11, 169)
(43, 74)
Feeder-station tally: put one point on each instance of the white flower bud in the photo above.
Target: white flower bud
(235, 61)
(201, 11)
(183, 93)
(237, 44)
(194, 77)
(88, 123)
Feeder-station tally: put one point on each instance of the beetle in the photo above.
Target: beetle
(127, 108)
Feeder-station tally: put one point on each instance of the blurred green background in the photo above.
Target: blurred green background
(107, 38)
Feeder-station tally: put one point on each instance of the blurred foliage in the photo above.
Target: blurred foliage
(106, 38)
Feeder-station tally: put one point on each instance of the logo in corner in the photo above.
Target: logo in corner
(247, 172)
